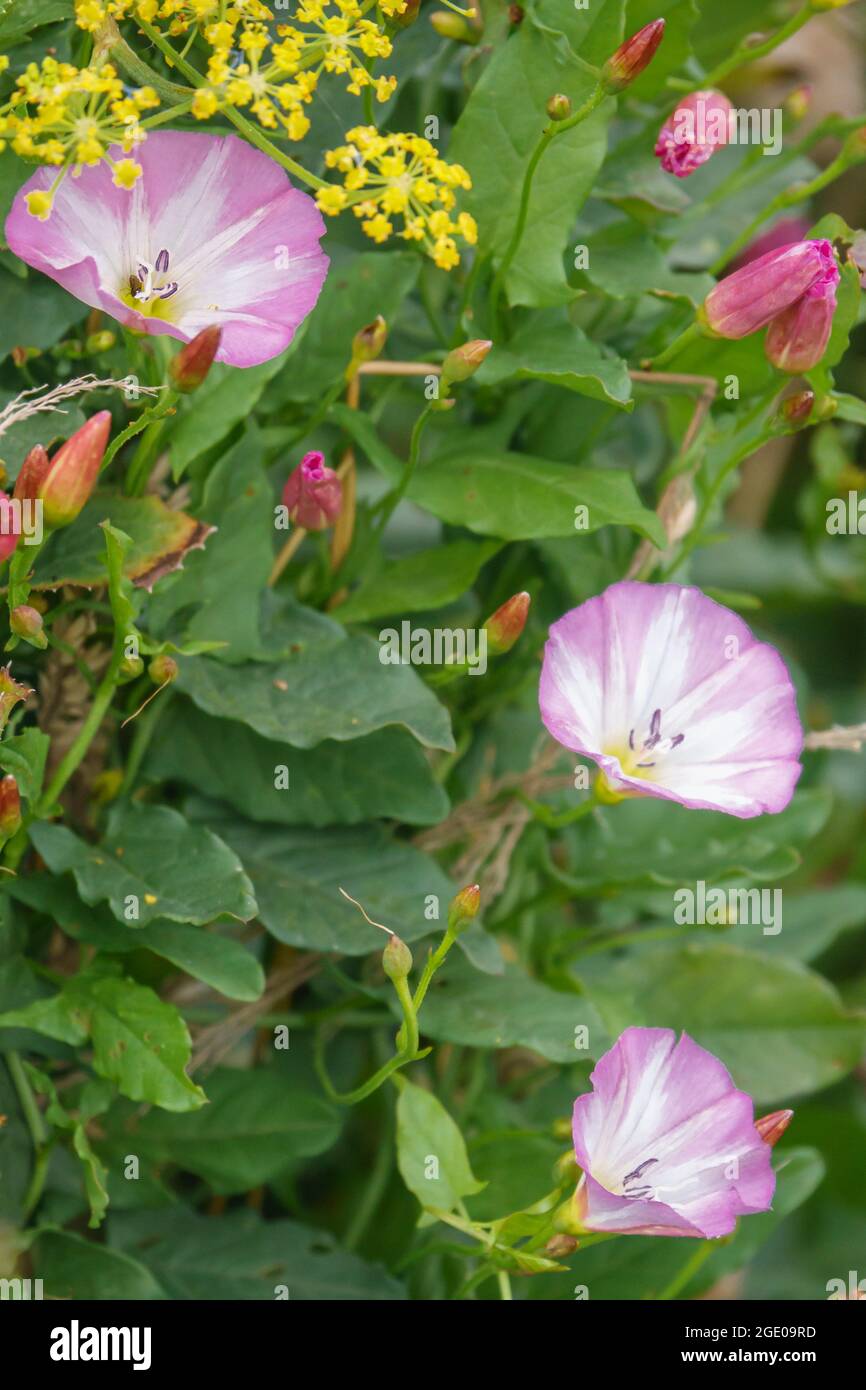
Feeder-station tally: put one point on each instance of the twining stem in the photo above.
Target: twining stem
(548, 135)
(78, 748)
(396, 497)
(250, 131)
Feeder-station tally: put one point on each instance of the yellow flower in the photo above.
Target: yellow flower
(204, 103)
(378, 227)
(126, 173)
(330, 200)
(39, 205)
(445, 253)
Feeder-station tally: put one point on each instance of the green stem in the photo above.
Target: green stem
(504, 1283)
(372, 1195)
(38, 1133)
(682, 341)
(142, 460)
(745, 54)
(688, 1271)
(79, 747)
(789, 198)
(555, 821)
(548, 135)
(396, 497)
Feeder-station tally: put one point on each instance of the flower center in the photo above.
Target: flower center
(643, 753)
(148, 285)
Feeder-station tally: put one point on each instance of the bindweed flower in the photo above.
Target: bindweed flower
(66, 484)
(313, 494)
(693, 132)
(671, 696)
(10, 527)
(505, 625)
(10, 808)
(400, 175)
(189, 368)
(212, 234)
(667, 1144)
(11, 692)
(772, 1127)
(753, 296)
(797, 338)
(630, 59)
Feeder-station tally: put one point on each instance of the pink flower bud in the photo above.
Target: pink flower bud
(10, 807)
(697, 128)
(73, 471)
(797, 339)
(27, 622)
(772, 1127)
(630, 59)
(192, 364)
(32, 471)
(313, 494)
(750, 298)
(505, 625)
(10, 527)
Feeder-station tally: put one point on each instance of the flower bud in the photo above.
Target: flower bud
(797, 103)
(162, 669)
(10, 527)
(27, 623)
(796, 409)
(313, 494)
(449, 25)
(463, 908)
(10, 693)
(367, 344)
(73, 472)
(31, 474)
(505, 625)
(693, 132)
(558, 107)
(129, 669)
(630, 59)
(396, 959)
(464, 361)
(99, 342)
(192, 364)
(10, 808)
(751, 297)
(772, 1127)
(797, 339)
(558, 1247)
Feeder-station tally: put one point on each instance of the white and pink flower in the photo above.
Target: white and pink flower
(671, 695)
(212, 233)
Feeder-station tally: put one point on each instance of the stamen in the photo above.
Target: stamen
(167, 290)
(162, 262)
(639, 1171)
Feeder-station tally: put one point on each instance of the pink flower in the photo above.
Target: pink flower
(10, 527)
(313, 494)
(671, 696)
(748, 300)
(697, 128)
(212, 233)
(797, 338)
(667, 1144)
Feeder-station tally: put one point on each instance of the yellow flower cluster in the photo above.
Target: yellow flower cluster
(178, 16)
(388, 176)
(68, 116)
(276, 77)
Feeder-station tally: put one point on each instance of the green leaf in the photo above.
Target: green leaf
(553, 350)
(419, 582)
(431, 1153)
(151, 864)
(72, 1267)
(226, 398)
(495, 138)
(240, 1256)
(256, 1125)
(20, 17)
(160, 537)
(780, 1029)
(519, 497)
(340, 692)
(669, 844)
(34, 312)
(24, 756)
(847, 291)
(624, 261)
(680, 17)
(385, 774)
(512, 1010)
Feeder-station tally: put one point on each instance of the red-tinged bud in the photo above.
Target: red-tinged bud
(162, 669)
(798, 102)
(10, 694)
(505, 625)
(73, 472)
(31, 474)
(367, 344)
(10, 527)
(449, 25)
(753, 296)
(463, 907)
(313, 494)
(396, 959)
(192, 364)
(27, 623)
(558, 107)
(796, 409)
(559, 1247)
(797, 339)
(772, 1127)
(10, 808)
(630, 59)
(464, 361)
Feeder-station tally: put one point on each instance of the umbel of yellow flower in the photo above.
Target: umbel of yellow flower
(400, 176)
(69, 117)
